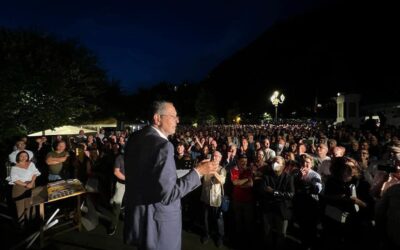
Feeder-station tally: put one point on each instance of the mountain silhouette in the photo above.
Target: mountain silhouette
(345, 47)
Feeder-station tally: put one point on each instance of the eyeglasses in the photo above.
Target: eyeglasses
(173, 116)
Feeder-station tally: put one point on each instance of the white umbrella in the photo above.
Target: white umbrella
(64, 130)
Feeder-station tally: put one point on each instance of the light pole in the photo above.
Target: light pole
(277, 99)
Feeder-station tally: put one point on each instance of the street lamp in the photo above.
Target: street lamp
(277, 99)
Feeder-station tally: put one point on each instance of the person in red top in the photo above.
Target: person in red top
(242, 180)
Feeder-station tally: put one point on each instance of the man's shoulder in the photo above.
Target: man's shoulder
(144, 132)
(145, 139)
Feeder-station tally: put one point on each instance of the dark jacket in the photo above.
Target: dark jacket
(153, 192)
(280, 201)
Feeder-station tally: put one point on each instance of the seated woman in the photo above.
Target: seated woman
(22, 177)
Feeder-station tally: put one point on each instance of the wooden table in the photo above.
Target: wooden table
(41, 197)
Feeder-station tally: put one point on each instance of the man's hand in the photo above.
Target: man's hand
(206, 167)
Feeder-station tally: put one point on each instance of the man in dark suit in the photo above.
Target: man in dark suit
(153, 191)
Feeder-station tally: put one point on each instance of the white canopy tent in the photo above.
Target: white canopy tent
(64, 130)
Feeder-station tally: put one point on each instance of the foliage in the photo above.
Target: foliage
(205, 107)
(46, 82)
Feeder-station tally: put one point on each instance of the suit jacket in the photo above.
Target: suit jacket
(153, 192)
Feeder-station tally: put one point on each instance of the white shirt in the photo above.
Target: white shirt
(314, 175)
(22, 174)
(211, 193)
(160, 133)
(13, 156)
(269, 154)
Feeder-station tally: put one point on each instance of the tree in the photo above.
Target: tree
(46, 82)
(205, 107)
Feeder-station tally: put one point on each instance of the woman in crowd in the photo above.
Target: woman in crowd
(22, 177)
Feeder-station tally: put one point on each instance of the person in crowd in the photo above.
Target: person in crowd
(22, 177)
(375, 149)
(280, 147)
(19, 146)
(205, 154)
(211, 196)
(341, 195)
(91, 142)
(153, 191)
(180, 156)
(269, 152)
(394, 176)
(117, 199)
(102, 134)
(81, 137)
(246, 150)
(387, 216)
(277, 192)
(332, 143)
(41, 150)
(363, 162)
(232, 157)
(301, 150)
(323, 161)
(354, 151)
(57, 161)
(338, 151)
(308, 185)
(243, 199)
(213, 146)
(59, 138)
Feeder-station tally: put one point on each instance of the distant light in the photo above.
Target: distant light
(338, 94)
(319, 105)
(175, 88)
(238, 119)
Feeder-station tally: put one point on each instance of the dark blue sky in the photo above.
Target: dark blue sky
(144, 42)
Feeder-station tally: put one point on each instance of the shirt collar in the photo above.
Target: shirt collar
(160, 133)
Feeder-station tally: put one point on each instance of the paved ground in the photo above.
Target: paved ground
(98, 239)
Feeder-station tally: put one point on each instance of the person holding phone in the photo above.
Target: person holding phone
(211, 196)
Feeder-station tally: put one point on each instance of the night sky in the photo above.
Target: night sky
(142, 43)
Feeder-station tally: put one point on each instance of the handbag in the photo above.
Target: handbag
(225, 201)
(336, 214)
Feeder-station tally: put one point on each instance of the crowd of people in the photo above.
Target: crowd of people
(334, 187)
(327, 184)
(96, 160)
